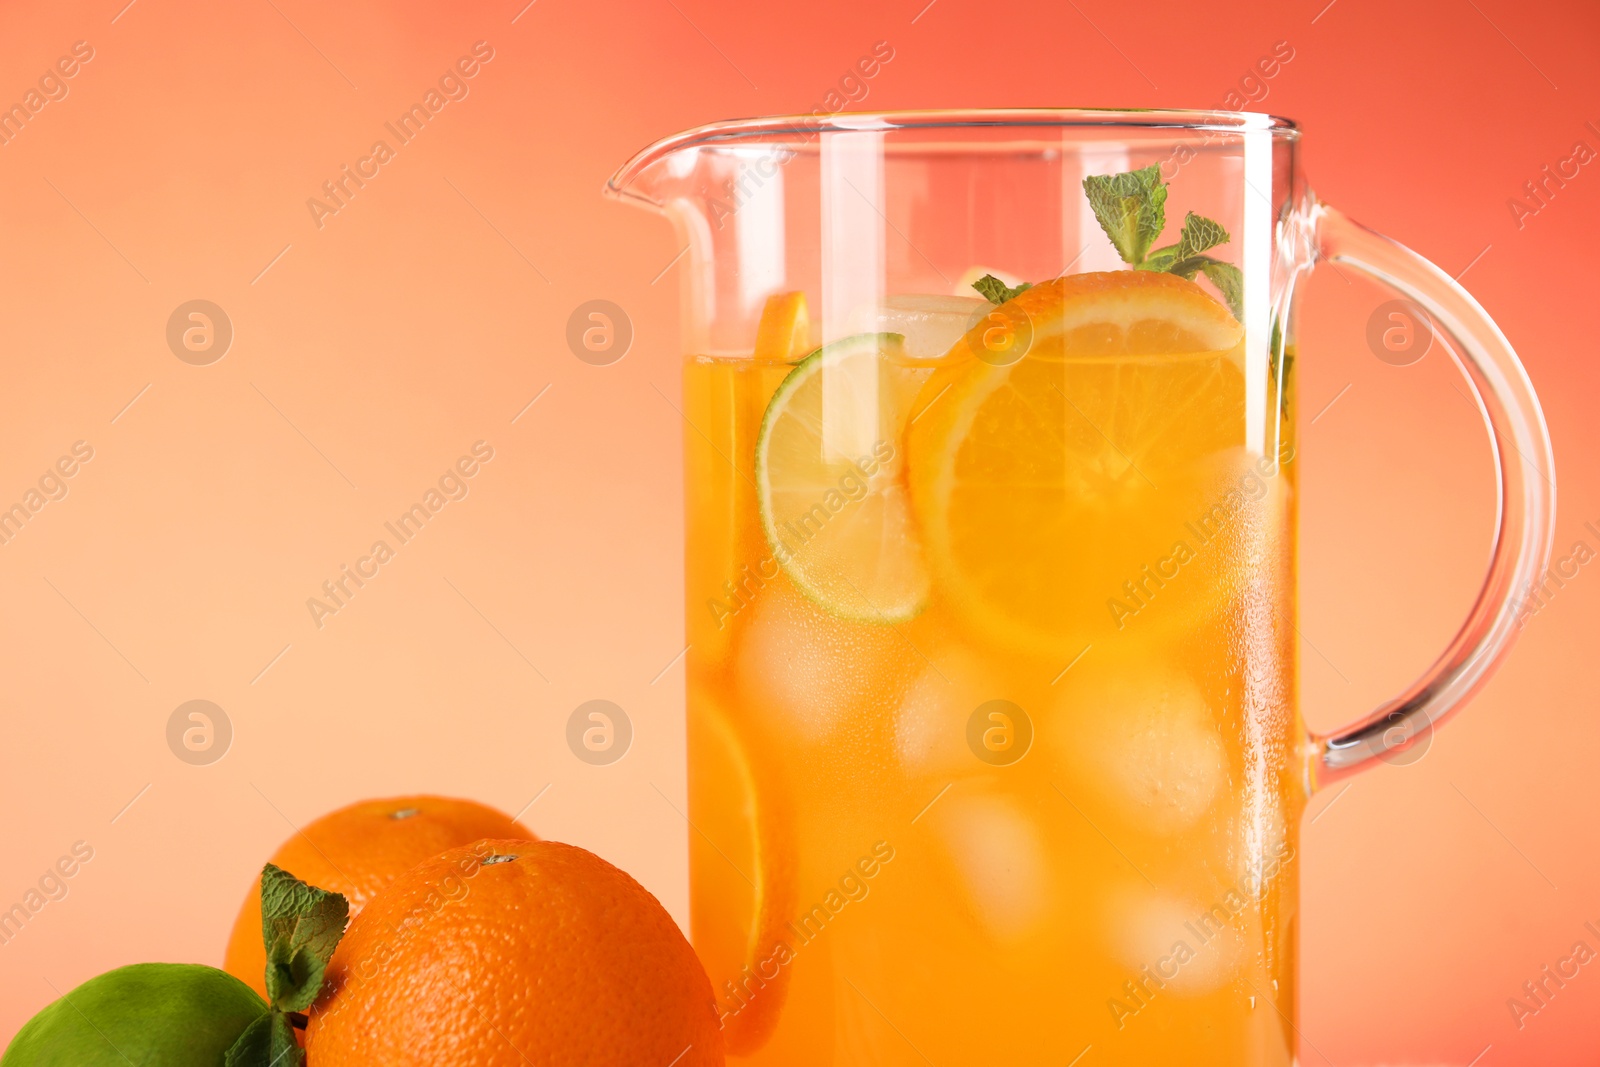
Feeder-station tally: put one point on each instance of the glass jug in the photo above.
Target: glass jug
(994, 746)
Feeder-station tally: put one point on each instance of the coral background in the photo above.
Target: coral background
(424, 316)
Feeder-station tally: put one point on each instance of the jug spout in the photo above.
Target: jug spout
(725, 189)
(669, 168)
(647, 180)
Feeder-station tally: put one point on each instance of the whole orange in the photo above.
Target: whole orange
(358, 850)
(509, 953)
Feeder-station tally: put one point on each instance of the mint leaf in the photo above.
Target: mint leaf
(300, 925)
(267, 1042)
(1131, 208)
(1199, 233)
(1229, 281)
(998, 292)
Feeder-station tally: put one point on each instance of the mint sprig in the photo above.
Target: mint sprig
(300, 927)
(1131, 209)
(998, 292)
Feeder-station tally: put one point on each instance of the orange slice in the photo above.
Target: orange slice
(784, 332)
(738, 915)
(1064, 451)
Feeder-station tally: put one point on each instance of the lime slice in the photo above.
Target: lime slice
(830, 479)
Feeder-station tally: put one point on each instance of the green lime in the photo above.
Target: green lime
(830, 475)
(148, 1014)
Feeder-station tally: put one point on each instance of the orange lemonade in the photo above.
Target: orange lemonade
(993, 748)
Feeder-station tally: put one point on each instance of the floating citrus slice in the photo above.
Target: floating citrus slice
(785, 327)
(829, 477)
(1069, 447)
(738, 916)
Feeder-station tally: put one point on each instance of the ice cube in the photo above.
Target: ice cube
(1189, 948)
(999, 856)
(930, 727)
(929, 322)
(805, 670)
(1141, 737)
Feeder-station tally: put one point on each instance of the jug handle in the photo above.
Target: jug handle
(1525, 503)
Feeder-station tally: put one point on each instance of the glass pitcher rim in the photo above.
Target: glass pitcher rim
(755, 129)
